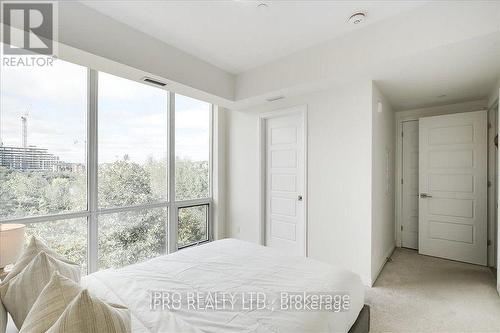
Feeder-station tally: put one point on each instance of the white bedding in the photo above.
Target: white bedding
(229, 265)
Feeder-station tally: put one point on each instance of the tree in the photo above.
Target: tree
(125, 237)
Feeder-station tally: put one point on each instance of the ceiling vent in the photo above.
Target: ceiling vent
(153, 81)
(276, 98)
(357, 18)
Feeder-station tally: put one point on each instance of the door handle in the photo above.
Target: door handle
(425, 196)
(299, 198)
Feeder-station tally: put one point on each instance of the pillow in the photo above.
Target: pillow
(3, 318)
(20, 293)
(88, 314)
(51, 303)
(34, 247)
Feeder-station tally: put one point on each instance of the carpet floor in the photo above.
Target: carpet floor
(416, 293)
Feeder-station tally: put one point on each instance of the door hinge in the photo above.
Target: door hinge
(401, 180)
(402, 134)
(489, 183)
(401, 227)
(489, 242)
(489, 125)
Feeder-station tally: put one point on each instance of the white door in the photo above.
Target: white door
(285, 221)
(409, 223)
(453, 187)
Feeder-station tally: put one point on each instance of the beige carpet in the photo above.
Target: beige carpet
(416, 293)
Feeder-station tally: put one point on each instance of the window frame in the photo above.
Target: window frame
(207, 221)
(173, 211)
(93, 211)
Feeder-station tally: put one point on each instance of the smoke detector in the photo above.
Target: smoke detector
(262, 6)
(357, 18)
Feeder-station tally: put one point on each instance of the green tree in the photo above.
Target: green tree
(191, 179)
(123, 183)
(125, 237)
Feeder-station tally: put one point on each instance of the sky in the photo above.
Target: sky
(132, 115)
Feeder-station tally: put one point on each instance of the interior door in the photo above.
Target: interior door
(285, 220)
(409, 223)
(453, 187)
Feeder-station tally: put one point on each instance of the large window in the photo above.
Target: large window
(133, 140)
(67, 237)
(43, 140)
(192, 169)
(107, 171)
(131, 236)
(192, 148)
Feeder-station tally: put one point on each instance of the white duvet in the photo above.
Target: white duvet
(229, 266)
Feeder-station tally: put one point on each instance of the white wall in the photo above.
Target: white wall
(339, 175)
(219, 173)
(383, 152)
(242, 183)
(495, 92)
(475, 105)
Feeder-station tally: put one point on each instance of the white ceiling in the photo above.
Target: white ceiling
(235, 35)
(458, 72)
(415, 50)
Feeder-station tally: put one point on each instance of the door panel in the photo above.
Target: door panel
(285, 223)
(451, 183)
(451, 159)
(409, 233)
(450, 231)
(453, 187)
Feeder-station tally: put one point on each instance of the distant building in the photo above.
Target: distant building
(69, 167)
(32, 158)
(28, 159)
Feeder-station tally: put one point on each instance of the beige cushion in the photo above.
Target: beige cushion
(20, 293)
(3, 318)
(34, 247)
(51, 303)
(88, 314)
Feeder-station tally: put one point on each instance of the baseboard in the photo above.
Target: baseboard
(387, 255)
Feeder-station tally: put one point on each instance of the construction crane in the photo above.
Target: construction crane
(24, 127)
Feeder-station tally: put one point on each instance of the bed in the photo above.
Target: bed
(238, 268)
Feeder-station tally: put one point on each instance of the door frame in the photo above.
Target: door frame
(492, 185)
(399, 182)
(298, 110)
(411, 115)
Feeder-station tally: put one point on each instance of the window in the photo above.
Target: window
(193, 120)
(43, 140)
(67, 237)
(132, 171)
(133, 138)
(107, 171)
(131, 236)
(192, 148)
(193, 225)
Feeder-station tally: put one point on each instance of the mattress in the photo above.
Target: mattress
(238, 269)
